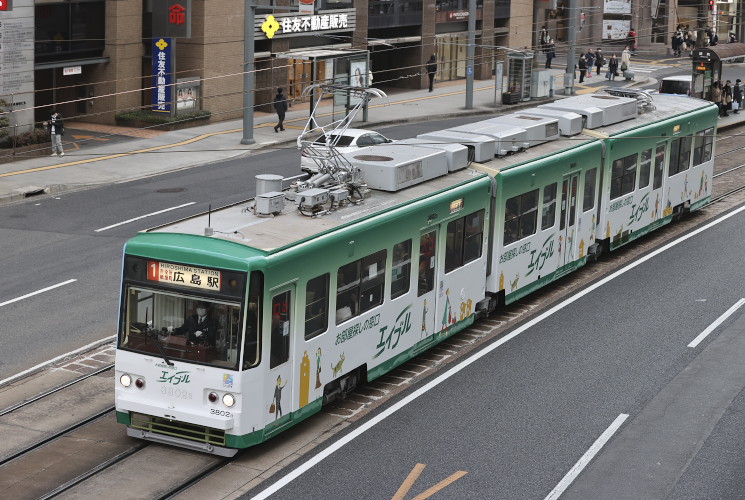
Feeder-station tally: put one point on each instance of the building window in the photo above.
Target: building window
(66, 30)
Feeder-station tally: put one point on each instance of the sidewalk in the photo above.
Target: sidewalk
(96, 161)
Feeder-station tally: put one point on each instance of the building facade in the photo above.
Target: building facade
(92, 59)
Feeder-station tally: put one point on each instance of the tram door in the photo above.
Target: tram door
(568, 219)
(426, 284)
(279, 382)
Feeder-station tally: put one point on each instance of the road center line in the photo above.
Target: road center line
(146, 215)
(701, 336)
(585, 459)
(313, 461)
(37, 292)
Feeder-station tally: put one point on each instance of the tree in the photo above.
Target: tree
(4, 119)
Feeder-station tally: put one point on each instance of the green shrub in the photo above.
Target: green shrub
(146, 116)
(36, 136)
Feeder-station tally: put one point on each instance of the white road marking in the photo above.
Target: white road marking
(37, 292)
(701, 336)
(585, 459)
(146, 215)
(287, 479)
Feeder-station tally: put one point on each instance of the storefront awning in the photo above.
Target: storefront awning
(318, 54)
(724, 52)
(73, 62)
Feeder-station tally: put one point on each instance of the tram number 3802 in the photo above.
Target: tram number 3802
(175, 393)
(221, 413)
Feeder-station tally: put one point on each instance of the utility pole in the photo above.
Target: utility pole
(470, 52)
(249, 82)
(571, 48)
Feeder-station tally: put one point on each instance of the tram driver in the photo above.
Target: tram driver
(199, 328)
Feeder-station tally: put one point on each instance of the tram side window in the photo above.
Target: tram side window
(472, 246)
(644, 168)
(520, 216)
(454, 245)
(548, 217)
(464, 239)
(280, 346)
(427, 249)
(316, 306)
(659, 166)
(623, 176)
(401, 272)
(702, 146)
(680, 155)
(360, 286)
(588, 201)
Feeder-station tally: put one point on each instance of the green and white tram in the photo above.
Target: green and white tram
(239, 323)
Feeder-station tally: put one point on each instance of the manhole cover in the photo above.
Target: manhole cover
(373, 158)
(171, 190)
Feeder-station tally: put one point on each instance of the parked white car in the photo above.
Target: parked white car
(350, 139)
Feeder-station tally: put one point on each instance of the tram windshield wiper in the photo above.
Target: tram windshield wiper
(162, 351)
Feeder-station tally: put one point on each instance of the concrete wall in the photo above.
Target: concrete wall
(122, 76)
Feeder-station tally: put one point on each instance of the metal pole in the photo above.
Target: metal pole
(571, 48)
(470, 52)
(249, 83)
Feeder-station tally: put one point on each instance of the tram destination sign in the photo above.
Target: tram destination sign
(177, 274)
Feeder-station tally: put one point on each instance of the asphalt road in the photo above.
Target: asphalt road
(519, 418)
(53, 239)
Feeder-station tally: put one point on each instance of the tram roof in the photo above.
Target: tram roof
(237, 224)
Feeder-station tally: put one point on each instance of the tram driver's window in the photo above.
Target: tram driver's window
(280, 328)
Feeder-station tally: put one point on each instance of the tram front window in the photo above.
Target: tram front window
(181, 327)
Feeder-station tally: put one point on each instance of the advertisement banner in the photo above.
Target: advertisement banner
(614, 29)
(616, 7)
(162, 75)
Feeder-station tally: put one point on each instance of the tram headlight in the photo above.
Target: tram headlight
(228, 400)
(125, 380)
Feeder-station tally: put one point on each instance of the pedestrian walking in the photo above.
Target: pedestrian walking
(599, 61)
(716, 95)
(57, 130)
(726, 97)
(737, 96)
(625, 59)
(582, 68)
(590, 56)
(280, 105)
(432, 70)
(612, 67)
(550, 54)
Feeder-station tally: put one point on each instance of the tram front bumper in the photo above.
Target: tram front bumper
(124, 404)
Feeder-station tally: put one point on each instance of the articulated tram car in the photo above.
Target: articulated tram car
(303, 293)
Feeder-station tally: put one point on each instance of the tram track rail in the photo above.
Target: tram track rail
(432, 361)
(54, 390)
(54, 436)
